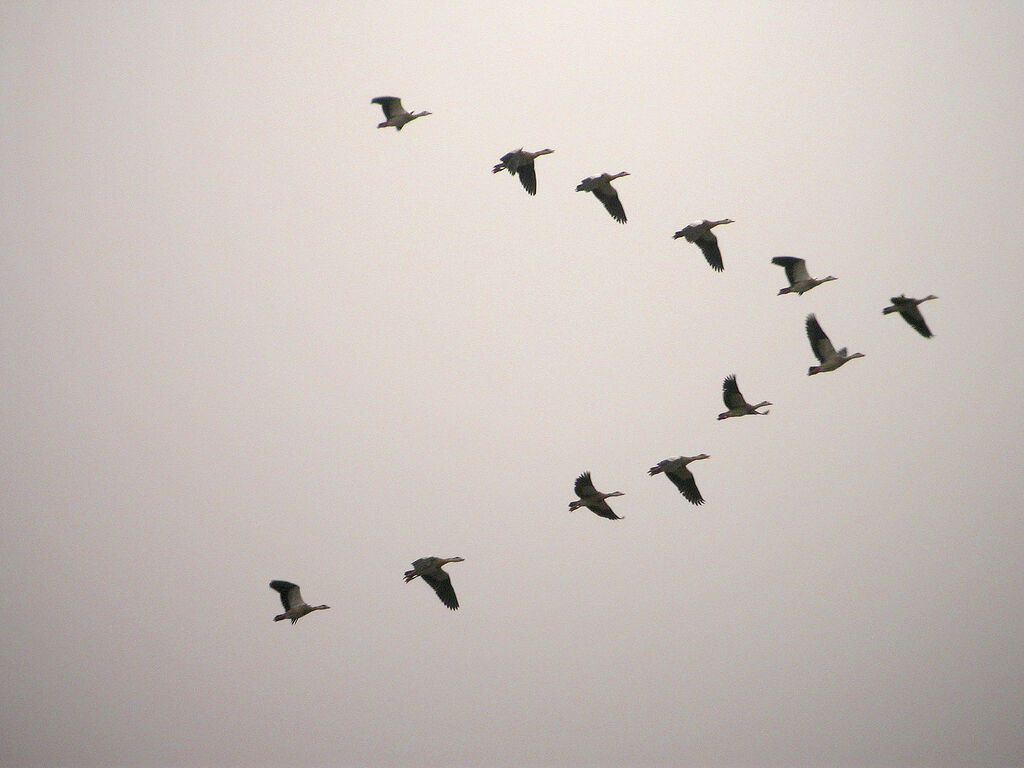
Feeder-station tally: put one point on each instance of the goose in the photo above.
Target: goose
(520, 162)
(430, 570)
(394, 113)
(736, 403)
(680, 475)
(909, 311)
(700, 233)
(294, 606)
(796, 272)
(602, 188)
(827, 355)
(592, 499)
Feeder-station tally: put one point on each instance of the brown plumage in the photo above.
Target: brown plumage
(909, 311)
(430, 570)
(604, 191)
(593, 499)
(520, 163)
(700, 233)
(680, 475)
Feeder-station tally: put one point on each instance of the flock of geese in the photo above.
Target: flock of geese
(520, 162)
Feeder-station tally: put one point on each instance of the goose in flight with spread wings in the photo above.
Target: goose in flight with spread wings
(827, 355)
(800, 281)
(700, 233)
(431, 571)
(592, 499)
(735, 402)
(294, 606)
(520, 163)
(603, 190)
(394, 113)
(909, 311)
(680, 475)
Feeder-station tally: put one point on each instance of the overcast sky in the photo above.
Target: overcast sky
(245, 336)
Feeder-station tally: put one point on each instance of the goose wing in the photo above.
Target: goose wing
(731, 394)
(584, 486)
(796, 269)
(441, 583)
(290, 595)
(820, 344)
(528, 176)
(912, 314)
(392, 105)
(601, 509)
(682, 479)
(708, 244)
(610, 200)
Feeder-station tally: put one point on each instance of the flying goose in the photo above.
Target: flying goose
(602, 188)
(592, 499)
(796, 272)
(520, 162)
(394, 113)
(680, 475)
(430, 570)
(294, 606)
(700, 233)
(736, 403)
(827, 355)
(909, 311)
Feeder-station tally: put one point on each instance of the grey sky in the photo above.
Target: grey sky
(245, 335)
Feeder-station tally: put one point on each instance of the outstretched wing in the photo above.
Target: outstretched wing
(442, 585)
(682, 479)
(528, 176)
(820, 344)
(392, 105)
(708, 244)
(731, 393)
(912, 314)
(290, 595)
(584, 486)
(601, 509)
(796, 269)
(610, 200)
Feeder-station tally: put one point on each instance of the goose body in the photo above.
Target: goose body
(827, 354)
(604, 191)
(431, 570)
(520, 163)
(291, 598)
(909, 311)
(700, 233)
(736, 404)
(395, 115)
(800, 281)
(593, 499)
(679, 473)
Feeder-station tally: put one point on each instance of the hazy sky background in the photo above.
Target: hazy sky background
(248, 336)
